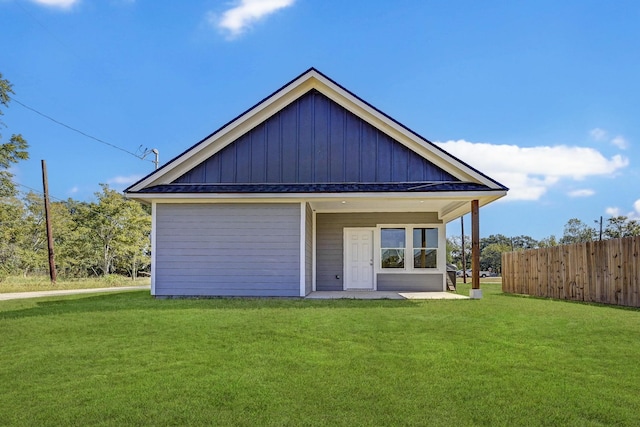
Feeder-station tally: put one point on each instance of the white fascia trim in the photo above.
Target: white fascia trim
(154, 223)
(470, 195)
(463, 209)
(303, 248)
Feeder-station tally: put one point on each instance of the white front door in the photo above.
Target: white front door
(358, 259)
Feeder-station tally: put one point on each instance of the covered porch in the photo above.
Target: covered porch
(391, 248)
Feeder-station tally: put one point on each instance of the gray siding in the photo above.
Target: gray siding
(329, 239)
(227, 250)
(411, 282)
(308, 249)
(315, 140)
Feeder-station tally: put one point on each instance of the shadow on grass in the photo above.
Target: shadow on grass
(142, 301)
(570, 301)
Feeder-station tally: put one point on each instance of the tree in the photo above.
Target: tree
(34, 244)
(12, 151)
(118, 231)
(523, 243)
(133, 251)
(75, 248)
(548, 242)
(491, 256)
(496, 239)
(454, 251)
(11, 212)
(10, 207)
(33, 252)
(576, 231)
(621, 226)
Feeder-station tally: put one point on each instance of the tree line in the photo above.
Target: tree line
(110, 235)
(575, 231)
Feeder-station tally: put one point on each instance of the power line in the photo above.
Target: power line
(40, 192)
(79, 131)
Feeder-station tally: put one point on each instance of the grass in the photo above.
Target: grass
(127, 359)
(42, 283)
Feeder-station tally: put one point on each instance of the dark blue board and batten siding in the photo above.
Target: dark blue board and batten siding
(330, 252)
(314, 140)
(227, 249)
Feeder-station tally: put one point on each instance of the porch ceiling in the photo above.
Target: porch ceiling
(448, 209)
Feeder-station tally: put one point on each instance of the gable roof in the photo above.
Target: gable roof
(190, 167)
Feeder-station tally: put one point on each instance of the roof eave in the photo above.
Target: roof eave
(466, 195)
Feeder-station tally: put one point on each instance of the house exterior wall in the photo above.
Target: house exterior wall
(330, 250)
(227, 249)
(410, 282)
(315, 140)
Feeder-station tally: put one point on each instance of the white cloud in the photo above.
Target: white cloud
(611, 211)
(601, 135)
(530, 171)
(73, 190)
(123, 180)
(581, 193)
(634, 214)
(620, 142)
(598, 134)
(236, 20)
(62, 4)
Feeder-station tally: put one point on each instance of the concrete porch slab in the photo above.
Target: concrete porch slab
(383, 295)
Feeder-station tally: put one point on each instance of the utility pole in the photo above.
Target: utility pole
(47, 214)
(600, 228)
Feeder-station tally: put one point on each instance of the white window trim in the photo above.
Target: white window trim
(408, 267)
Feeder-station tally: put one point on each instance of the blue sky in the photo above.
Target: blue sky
(541, 95)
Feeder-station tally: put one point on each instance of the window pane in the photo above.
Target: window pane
(425, 237)
(425, 258)
(419, 237)
(392, 238)
(432, 237)
(392, 258)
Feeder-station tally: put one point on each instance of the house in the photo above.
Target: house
(310, 189)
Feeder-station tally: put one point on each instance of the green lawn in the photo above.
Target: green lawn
(127, 359)
(42, 283)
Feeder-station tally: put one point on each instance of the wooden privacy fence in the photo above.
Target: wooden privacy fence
(607, 272)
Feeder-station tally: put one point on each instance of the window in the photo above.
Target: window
(392, 247)
(425, 247)
(410, 248)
